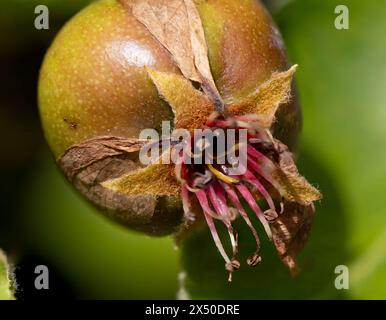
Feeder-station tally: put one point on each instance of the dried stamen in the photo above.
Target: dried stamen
(255, 207)
(222, 209)
(203, 200)
(253, 180)
(253, 260)
(235, 200)
(219, 193)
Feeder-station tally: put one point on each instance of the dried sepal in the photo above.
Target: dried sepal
(177, 26)
(295, 186)
(200, 49)
(266, 100)
(89, 164)
(291, 231)
(155, 179)
(190, 106)
(82, 155)
(283, 174)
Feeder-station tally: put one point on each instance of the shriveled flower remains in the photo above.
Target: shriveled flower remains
(271, 173)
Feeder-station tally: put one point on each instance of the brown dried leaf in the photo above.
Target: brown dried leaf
(156, 179)
(290, 232)
(176, 24)
(296, 187)
(191, 107)
(267, 98)
(89, 164)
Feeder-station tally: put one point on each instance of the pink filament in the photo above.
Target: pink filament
(255, 207)
(264, 169)
(201, 196)
(235, 200)
(186, 202)
(203, 200)
(222, 209)
(252, 179)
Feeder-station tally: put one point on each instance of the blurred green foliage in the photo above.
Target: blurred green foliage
(100, 259)
(5, 285)
(342, 86)
(17, 22)
(342, 82)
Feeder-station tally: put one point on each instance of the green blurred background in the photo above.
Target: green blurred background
(342, 87)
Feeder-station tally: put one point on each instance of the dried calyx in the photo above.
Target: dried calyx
(223, 196)
(271, 177)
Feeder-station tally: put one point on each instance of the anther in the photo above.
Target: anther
(254, 259)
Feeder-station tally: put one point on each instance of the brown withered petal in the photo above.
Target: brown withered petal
(155, 179)
(266, 100)
(290, 232)
(296, 187)
(177, 25)
(190, 106)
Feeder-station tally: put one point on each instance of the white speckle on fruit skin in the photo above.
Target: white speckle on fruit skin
(130, 52)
